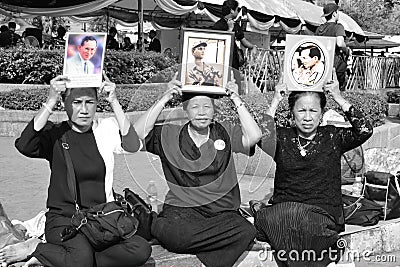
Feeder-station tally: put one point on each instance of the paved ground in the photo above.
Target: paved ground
(24, 181)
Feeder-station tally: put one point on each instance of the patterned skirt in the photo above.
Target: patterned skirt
(299, 234)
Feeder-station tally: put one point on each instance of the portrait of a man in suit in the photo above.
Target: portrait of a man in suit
(80, 63)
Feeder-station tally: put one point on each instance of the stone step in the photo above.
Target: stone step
(359, 241)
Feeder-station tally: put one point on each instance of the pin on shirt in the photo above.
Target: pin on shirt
(219, 144)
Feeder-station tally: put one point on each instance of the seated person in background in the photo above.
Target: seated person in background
(111, 42)
(128, 46)
(307, 210)
(58, 41)
(5, 39)
(200, 215)
(168, 52)
(14, 37)
(155, 44)
(92, 144)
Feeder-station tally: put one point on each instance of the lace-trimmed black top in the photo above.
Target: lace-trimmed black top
(315, 177)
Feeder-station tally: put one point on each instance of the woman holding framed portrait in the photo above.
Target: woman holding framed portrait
(201, 211)
(306, 210)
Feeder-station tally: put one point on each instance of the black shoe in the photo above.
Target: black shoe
(255, 206)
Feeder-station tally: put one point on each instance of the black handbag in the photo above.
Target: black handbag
(384, 188)
(142, 211)
(360, 211)
(103, 225)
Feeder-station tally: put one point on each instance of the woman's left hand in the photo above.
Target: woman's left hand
(332, 87)
(108, 87)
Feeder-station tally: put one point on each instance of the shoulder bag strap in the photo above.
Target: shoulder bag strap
(71, 178)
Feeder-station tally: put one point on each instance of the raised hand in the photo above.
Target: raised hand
(280, 89)
(332, 87)
(174, 88)
(57, 87)
(232, 88)
(108, 87)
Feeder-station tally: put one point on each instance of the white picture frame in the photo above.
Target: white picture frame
(83, 65)
(308, 62)
(213, 72)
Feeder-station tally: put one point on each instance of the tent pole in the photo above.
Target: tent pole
(140, 26)
(108, 18)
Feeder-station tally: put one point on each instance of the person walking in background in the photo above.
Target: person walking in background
(230, 10)
(202, 73)
(92, 144)
(155, 44)
(334, 29)
(80, 63)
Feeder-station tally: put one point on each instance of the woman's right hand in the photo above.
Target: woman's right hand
(280, 90)
(57, 86)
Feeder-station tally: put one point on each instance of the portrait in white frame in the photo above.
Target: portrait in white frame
(205, 60)
(308, 62)
(84, 59)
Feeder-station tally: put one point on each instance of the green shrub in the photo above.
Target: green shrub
(136, 98)
(394, 97)
(34, 66)
(373, 106)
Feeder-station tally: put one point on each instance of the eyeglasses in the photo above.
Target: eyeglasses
(201, 48)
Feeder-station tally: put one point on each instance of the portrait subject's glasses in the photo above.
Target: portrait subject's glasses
(201, 48)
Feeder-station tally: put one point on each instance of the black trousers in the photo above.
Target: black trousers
(78, 252)
(217, 241)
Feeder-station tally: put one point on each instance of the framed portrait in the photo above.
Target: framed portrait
(84, 59)
(205, 60)
(308, 61)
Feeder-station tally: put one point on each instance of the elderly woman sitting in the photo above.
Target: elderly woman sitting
(200, 215)
(306, 214)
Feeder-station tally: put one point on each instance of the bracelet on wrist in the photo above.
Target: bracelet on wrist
(47, 107)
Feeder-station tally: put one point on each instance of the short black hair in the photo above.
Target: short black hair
(113, 30)
(295, 95)
(61, 31)
(86, 39)
(3, 28)
(229, 5)
(314, 51)
(328, 17)
(68, 92)
(12, 24)
(187, 96)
